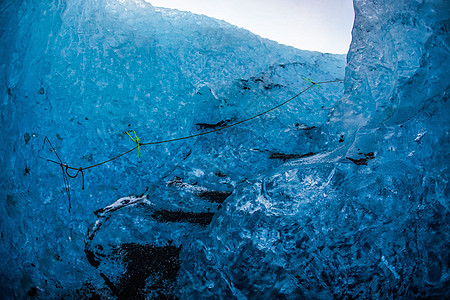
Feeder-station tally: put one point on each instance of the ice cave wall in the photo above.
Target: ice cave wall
(366, 216)
(395, 63)
(370, 216)
(82, 73)
(70, 61)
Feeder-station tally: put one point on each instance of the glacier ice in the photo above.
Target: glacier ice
(342, 193)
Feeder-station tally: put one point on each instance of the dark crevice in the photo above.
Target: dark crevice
(215, 196)
(149, 269)
(212, 126)
(111, 285)
(203, 218)
(362, 161)
(91, 258)
(285, 157)
(359, 162)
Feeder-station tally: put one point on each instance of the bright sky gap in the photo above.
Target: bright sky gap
(319, 25)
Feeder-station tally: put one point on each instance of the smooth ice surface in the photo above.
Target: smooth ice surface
(342, 193)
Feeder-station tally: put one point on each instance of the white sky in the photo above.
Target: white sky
(319, 25)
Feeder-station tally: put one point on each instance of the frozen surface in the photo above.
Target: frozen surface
(342, 193)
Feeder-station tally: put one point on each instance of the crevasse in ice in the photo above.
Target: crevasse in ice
(342, 193)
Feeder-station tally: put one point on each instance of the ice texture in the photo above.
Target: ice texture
(342, 193)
